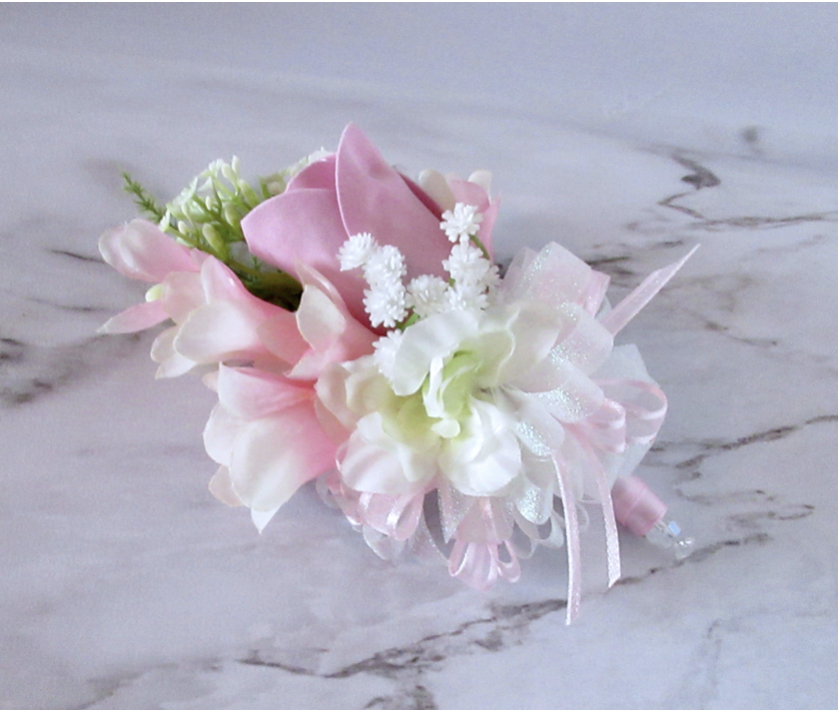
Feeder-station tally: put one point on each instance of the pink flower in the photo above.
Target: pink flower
(351, 192)
(215, 318)
(139, 250)
(269, 431)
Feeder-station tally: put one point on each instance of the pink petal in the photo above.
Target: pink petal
(426, 198)
(312, 277)
(331, 391)
(297, 226)
(220, 331)
(305, 227)
(374, 198)
(469, 193)
(139, 250)
(220, 283)
(282, 338)
(135, 319)
(253, 394)
(331, 425)
(182, 294)
(334, 336)
(319, 320)
(318, 175)
(273, 457)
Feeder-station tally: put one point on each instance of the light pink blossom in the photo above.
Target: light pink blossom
(139, 250)
(269, 432)
(215, 318)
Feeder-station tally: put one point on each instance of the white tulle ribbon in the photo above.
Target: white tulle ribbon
(627, 309)
(565, 418)
(625, 418)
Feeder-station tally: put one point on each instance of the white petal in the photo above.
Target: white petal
(319, 320)
(437, 188)
(253, 394)
(273, 457)
(488, 458)
(172, 363)
(182, 293)
(376, 463)
(217, 332)
(262, 518)
(437, 336)
(221, 487)
(220, 434)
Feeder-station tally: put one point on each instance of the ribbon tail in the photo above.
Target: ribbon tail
(626, 310)
(571, 520)
(612, 540)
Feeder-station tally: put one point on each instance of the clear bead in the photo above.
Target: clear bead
(668, 535)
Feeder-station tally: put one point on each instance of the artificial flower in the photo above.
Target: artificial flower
(365, 336)
(215, 318)
(139, 250)
(267, 429)
(352, 192)
(498, 411)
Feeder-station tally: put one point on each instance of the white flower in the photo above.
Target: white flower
(448, 408)
(385, 353)
(471, 397)
(460, 224)
(385, 267)
(427, 295)
(467, 265)
(356, 251)
(472, 297)
(386, 305)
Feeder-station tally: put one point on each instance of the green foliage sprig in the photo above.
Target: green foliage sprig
(207, 215)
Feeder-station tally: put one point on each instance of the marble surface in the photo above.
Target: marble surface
(124, 584)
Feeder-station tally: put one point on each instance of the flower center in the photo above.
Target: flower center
(447, 391)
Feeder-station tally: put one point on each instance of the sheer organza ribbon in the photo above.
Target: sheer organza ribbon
(631, 414)
(586, 421)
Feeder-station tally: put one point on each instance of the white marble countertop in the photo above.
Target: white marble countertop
(124, 584)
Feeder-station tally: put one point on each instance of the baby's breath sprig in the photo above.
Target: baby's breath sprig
(472, 281)
(207, 215)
